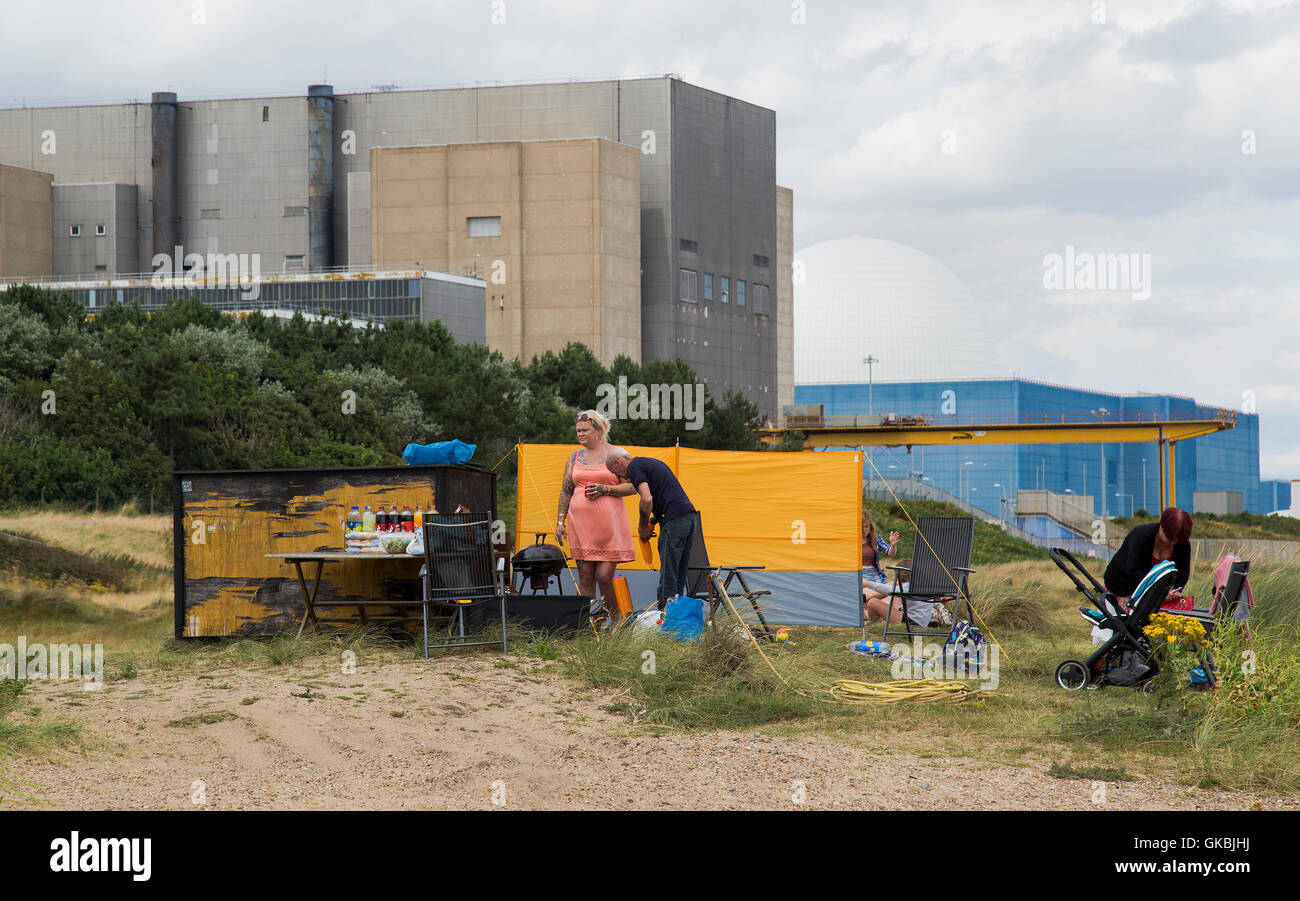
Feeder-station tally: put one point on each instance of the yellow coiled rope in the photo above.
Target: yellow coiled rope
(901, 690)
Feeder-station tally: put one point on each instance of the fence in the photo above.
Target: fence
(1253, 549)
(914, 490)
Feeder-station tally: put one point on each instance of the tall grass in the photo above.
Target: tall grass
(31, 559)
(1277, 595)
(714, 684)
(25, 730)
(147, 539)
(59, 615)
(1246, 732)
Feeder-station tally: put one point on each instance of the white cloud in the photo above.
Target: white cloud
(1124, 136)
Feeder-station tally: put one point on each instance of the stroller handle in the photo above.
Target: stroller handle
(1057, 553)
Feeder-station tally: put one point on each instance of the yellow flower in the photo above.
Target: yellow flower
(1172, 638)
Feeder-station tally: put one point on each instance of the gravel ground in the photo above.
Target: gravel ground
(472, 733)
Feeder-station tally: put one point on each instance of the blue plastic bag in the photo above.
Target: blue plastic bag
(684, 619)
(454, 451)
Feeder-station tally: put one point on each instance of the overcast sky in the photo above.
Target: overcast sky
(987, 134)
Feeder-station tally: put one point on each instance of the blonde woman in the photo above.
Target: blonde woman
(591, 512)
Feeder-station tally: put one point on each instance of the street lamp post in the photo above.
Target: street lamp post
(869, 360)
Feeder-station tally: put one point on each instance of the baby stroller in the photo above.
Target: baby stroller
(1125, 658)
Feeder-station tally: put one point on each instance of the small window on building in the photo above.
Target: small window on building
(100, 267)
(726, 290)
(266, 114)
(740, 292)
(484, 226)
(688, 246)
(101, 230)
(294, 261)
(216, 214)
(688, 286)
(74, 231)
(708, 286)
(761, 301)
(295, 211)
(761, 261)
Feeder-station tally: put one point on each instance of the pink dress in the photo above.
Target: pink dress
(598, 530)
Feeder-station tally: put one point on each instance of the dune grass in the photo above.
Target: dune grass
(1208, 739)
(1245, 735)
(122, 534)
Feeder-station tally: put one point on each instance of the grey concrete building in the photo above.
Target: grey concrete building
(276, 176)
(95, 228)
(414, 296)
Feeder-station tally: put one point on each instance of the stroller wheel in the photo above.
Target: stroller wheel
(1072, 675)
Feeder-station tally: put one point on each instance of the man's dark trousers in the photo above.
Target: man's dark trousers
(675, 539)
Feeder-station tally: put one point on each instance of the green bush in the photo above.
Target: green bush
(104, 411)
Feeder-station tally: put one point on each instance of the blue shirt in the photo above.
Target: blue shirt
(670, 501)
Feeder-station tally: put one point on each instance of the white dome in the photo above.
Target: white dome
(864, 296)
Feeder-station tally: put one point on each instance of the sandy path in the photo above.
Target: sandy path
(471, 728)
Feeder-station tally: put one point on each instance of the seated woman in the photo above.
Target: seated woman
(1145, 546)
(919, 612)
(875, 584)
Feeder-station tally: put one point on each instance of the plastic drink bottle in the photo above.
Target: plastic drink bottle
(368, 520)
(418, 517)
(408, 520)
(354, 519)
(867, 647)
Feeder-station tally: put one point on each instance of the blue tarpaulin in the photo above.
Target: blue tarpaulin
(454, 451)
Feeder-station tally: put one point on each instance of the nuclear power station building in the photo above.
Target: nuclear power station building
(637, 216)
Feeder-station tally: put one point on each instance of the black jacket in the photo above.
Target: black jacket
(1133, 561)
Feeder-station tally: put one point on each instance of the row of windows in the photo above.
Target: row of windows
(379, 299)
(688, 246)
(690, 283)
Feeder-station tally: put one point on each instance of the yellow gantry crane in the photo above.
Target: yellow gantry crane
(892, 430)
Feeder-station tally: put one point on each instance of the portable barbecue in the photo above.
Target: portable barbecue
(539, 563)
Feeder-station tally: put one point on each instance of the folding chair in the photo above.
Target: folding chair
(1231, 599)
(459, 578)
(714, 583)
(940, 572)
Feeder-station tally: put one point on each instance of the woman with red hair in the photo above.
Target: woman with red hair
(1144, 547)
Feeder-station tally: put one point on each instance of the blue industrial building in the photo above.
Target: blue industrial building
(1120, 477)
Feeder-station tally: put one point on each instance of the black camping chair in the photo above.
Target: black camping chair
(460, 583)
(940, 572)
